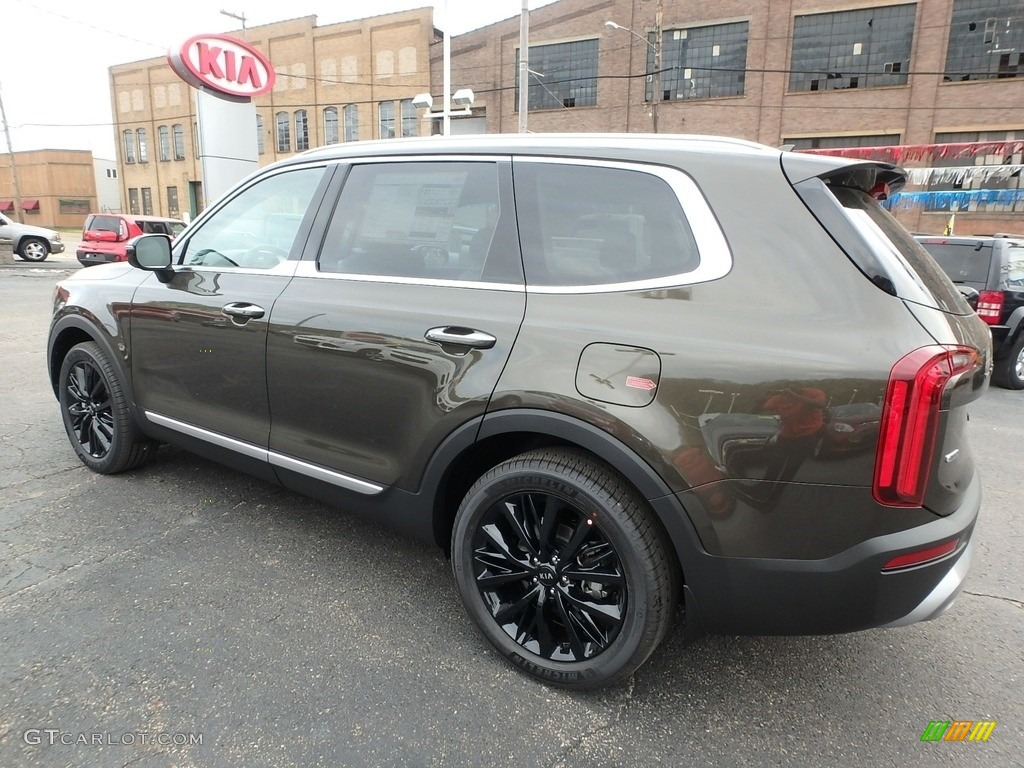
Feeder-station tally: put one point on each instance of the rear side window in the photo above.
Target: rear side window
(154, 228)
(587, 225)
(1014, 277)
(963, 262)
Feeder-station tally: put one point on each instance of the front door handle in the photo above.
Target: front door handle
(242, 311)
(455, 335)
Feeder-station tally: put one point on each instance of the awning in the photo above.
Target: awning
(6, 205)
(30, 205)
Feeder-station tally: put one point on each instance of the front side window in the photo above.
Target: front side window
(164, 140)
(352, 122)
(284, 137)
(583, 225)
(179, 142)
(331, 125)
(864, 48)
(429, 220)
(387, 119)
(128, 140)
(567, 75)
(257, 228)
(986, 40)
(701, 62)
(301, 131)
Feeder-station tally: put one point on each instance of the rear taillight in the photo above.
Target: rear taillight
(910, 418)
(990, 306)
(921, 556)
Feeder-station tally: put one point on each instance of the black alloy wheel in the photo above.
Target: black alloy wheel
(96, 414)
(564, 569)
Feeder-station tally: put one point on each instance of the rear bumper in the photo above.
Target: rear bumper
(88, 258)
(844, 593)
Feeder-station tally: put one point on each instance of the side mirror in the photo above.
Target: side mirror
(151, 253)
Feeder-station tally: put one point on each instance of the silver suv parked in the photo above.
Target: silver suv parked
(30, 242)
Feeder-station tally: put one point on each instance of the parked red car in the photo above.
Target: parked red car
(105, 235)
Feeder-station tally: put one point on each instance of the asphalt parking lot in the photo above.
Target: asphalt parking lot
(183, 603)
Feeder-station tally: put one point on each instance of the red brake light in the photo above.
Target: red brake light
(910, 418)
(990, 306)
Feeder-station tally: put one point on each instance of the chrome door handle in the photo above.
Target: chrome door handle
(462, 337)
(242, 310)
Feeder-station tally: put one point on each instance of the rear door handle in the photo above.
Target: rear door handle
(458, 336)
(242, 311)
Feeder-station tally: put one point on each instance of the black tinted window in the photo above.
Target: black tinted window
(426, 220)
(104, 224)
(585, 225)
(963, 262)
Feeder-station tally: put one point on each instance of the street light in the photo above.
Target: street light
(656, 47)
(463, 98)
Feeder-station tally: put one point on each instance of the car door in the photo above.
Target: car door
(198, 336)
(395, 334)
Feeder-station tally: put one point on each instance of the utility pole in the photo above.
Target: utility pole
(656, 80)
(239, 16)
(14, 167)
(524, 64)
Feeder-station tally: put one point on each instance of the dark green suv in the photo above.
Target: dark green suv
(990, 273)
(619, 379)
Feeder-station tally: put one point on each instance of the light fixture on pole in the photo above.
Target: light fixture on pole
(656, 48)
(462, 98)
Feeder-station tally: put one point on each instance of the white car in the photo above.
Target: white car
(30, 242)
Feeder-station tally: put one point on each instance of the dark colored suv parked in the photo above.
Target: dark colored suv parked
(610, 375)
(990, 273)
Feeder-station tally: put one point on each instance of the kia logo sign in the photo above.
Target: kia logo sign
(228, 67)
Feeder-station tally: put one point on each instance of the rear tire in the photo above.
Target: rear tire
(563, 567)
(95, 411)
(1009, 371)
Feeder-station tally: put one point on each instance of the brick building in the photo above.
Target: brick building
(800, 72)
(338, 82)
(58, 186)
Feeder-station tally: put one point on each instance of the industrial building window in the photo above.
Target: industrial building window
(164, 140)
(284, 137)
(351, 113)
(179, 141)
(409, 119)
(563, 75)
(128, 139)
(700, 62)
(172, 201)
(133, 201)
(301, 131)
(387, 119)
(147, 201)
(331, 125)
(843, 142)
(971, 178)
(140, 135)
(260, 146)
(866, 48)
(986, 40)
(74, 206)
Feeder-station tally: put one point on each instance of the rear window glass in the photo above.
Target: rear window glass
(963, 262)
(590, 225)
(104, 224)
(899, 254)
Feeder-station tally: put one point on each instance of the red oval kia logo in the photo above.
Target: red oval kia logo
(226, 65)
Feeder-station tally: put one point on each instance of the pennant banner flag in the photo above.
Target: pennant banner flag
(900, 153)
(955, 200)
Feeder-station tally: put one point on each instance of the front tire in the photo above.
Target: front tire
(95, 411)
(1009, 370)
(33, 249)
(564, 568)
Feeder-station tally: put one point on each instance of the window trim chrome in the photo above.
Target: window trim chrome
(309, 269)
(281, 460)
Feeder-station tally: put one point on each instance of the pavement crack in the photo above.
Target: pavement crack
(1010, 600)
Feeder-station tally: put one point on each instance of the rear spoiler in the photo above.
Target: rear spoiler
(880, 180)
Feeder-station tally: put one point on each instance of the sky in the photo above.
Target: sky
(54, 54)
